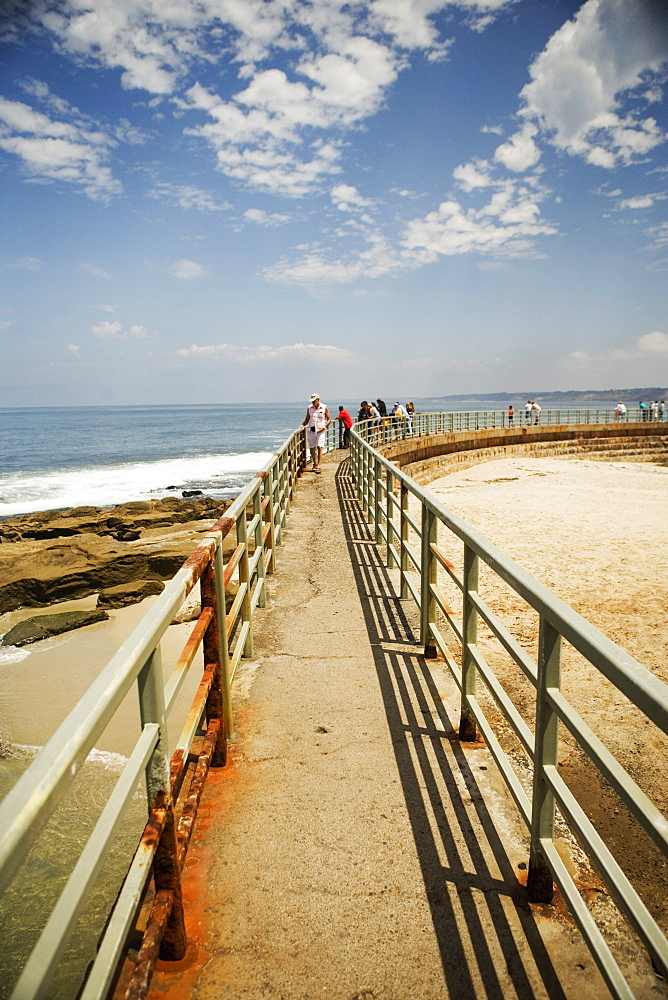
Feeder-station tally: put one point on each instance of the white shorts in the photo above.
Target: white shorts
(315, 439)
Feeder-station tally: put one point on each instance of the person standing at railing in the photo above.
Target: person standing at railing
(527, 411)
(662, 410)
(536, 408)
(346, 422)
(620, 411)
(363, 413)
(511, 415)
(399, 419)
(316, 422)
(374, 427)
(643, 410)
(410, 410)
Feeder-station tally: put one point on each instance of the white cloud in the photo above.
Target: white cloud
(6, 323)
(641, 201)
(653, 343)
(342, 60)
(506, 226)
(348, 199)
(188, 196)
(106, 330)
(74, 350)
(70, 152)
(95, 271)
(470, 176)
(326, 354)
(28, 263)
(188, 269)
(262, 218)
(520, 151)
(578, 80)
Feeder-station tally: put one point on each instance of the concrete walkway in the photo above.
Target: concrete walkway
(353, 849)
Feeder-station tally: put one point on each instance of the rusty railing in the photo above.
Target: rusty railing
(255, 523)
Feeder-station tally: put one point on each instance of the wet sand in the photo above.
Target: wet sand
(43, 681)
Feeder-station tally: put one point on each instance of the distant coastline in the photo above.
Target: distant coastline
(569, 398)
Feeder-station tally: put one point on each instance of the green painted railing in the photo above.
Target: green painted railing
(255, 521)
(405, 520)
(230, 593)
(392, 428)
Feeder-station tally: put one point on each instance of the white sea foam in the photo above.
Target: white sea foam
(13, 654)
(103, 486)
(109, 760)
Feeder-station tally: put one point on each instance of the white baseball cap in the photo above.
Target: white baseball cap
(314, 396)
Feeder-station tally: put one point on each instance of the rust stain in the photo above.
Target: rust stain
(224, 525)
(191, 805)
(178, 980)
(153, 829)
(153, 935)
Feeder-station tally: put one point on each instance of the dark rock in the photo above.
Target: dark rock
(192, 493)
(10, 535)
(61, 557)
(44, 626)
(128, 593)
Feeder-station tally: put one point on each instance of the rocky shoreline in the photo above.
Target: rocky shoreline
(123, 554)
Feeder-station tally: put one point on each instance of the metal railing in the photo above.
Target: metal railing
(256, 520)
(412, 546)
(418, 424)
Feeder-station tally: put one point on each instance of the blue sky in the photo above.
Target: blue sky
(230, 200)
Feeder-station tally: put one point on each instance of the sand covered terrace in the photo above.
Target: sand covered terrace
(596, 533)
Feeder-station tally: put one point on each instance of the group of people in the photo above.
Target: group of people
(532, 411)
(318, 419)
(399, 417)
(648, 411)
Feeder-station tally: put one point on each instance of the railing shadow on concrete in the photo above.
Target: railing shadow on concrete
(469, 879)
(409, 538)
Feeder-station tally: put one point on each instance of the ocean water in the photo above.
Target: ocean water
(57, 457)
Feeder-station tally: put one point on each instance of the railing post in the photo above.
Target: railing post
(377, 498)
(390, 554)
(259, 544)
(244, 578)
(540, 887)
(365, 481)
(403, 534)
(269, 519)
(166, 871)
(467, 725)
(218, 703)
(428, 571)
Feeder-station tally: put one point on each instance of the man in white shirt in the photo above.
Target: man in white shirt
(316, 422)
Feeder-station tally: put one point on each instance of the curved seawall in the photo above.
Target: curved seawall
(425, 457)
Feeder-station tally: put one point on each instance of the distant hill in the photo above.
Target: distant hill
(551, 400)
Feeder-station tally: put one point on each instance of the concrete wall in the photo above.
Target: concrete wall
(425, 458)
